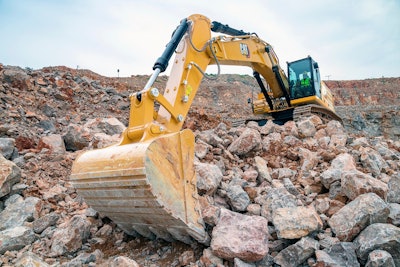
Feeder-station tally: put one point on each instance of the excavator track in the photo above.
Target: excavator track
(326, 115)
(299, 113)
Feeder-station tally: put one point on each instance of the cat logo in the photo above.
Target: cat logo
(244, 50)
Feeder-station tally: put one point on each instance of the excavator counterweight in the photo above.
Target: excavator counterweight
(147, 182)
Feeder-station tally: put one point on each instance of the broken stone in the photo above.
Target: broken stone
(393, 195)
(337, 255)
(238, 198)
(350, 220)
(355, 183)
(380, 258)
(296, 222)
(296, 254)
(248, 141)
(18, 212)
(240, 236)
(69, 239)
(262, 168)
(15, 238)
(7, 147)
(209, 177)
(10, 174)
(378, 236)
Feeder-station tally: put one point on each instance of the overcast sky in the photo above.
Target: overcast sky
(356, 39)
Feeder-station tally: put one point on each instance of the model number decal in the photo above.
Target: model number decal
(244, 50)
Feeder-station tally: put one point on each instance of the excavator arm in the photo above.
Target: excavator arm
(195, 50)
(147, 183)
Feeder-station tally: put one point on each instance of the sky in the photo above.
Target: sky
(350, 39)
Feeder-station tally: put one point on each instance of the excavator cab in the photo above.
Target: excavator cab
(304, 78)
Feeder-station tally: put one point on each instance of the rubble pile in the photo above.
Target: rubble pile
(301, 194)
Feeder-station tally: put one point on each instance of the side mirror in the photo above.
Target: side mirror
(315, 65)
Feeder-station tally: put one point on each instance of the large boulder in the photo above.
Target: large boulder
(355, 183)
(380, 236)
(248, 141)
(16, 238)
(350, 220)
(240, 236)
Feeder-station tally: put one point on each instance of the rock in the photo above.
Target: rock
(372, 160)
(187, 257)
(296, 222)
(306, 128)
(201, 149)
(109, 126)
(15, 238)
(239, 263)
(394, 215)
(209, 259)
(334, 127)
(250, 175)
(268, 128)
(210, 138)
(360, 142)
(394, 189)
(355, 183)
(366, 209)
(29, 259)
(83, 259)
(100, 140)
(308, 159)
(69, 238)
(248, 141)
(380, 258)
(208, 176)
(54, 143)
(262, 168)
(296, 254)
(18, 212)
(240, 236)
(237, 198)
(16, 77)
(7, 147)
(10, 174)
(76, 138)
(343, 162)
(47, 220)
(274, 199)
(272, 143)
(47, 126)
(337, 255)
(378, 236)
(122, 261)
(282, 173)
(338, 140)
(55, 192)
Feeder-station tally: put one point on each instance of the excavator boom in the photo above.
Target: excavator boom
(147, 183)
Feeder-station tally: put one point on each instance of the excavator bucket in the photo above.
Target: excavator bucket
(147, 187)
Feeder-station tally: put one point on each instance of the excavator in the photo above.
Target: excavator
(146, 183)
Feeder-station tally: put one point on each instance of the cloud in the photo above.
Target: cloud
(350, 39)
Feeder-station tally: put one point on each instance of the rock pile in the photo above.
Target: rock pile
(301, 194)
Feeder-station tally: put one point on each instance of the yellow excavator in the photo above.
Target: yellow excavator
(146, 183)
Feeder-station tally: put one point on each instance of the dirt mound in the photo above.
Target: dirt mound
(266, 192)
